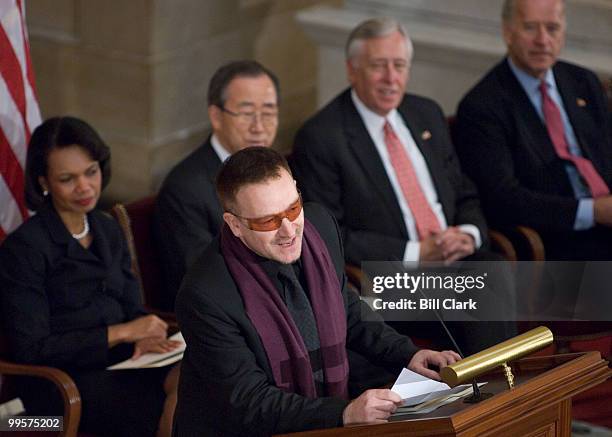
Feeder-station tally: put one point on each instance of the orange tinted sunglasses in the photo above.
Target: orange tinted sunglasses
(274, 221)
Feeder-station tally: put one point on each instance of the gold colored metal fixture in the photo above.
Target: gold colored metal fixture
(509, 376)
(498, 355)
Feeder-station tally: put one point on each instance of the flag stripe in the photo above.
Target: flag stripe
(10, 67)
(26, 46)
(19, 113)
(13, 174)
(10, 218)
(13, 26)
(11, 123)
(32, 111)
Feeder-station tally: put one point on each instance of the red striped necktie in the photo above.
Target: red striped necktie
(426, 221)
(556, 131)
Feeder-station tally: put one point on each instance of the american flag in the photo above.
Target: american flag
(19, 113)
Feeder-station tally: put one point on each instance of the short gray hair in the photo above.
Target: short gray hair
(375, 28)
(509, 9)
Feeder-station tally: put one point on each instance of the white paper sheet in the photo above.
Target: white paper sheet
(154, 360)
(415, 388)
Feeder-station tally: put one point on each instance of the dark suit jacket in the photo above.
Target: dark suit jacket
(506, 150)
(188, 214)
(336, 163)
(226, 385)
(58, 298)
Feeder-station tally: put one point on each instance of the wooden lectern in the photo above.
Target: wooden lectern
(538, 406)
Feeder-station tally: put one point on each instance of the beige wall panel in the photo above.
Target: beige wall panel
(121, 25)
(180, 85)
(51, 15)
(291, 57)
(131, 165)
(115, 96)
(295, 111)
(281, 45)
(181, 23)
(56, 70)
(261, 9)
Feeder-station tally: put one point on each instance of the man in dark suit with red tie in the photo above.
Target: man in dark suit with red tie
(383, 163)
(535, 136)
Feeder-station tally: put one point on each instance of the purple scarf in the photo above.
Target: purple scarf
(280, 336)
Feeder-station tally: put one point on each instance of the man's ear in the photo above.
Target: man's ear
(234, 224)
(214, 115)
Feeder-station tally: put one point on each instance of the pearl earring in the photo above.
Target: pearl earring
(45, 193)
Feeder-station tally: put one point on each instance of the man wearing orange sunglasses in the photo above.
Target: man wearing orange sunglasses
(268, 317)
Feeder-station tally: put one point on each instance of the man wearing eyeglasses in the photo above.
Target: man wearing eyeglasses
(268, 318)
(243, 98)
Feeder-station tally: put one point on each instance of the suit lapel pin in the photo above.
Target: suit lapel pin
(581, 102)
(425, 135)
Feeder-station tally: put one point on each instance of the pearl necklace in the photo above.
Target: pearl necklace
(85, 231)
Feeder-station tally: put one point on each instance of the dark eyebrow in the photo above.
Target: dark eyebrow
(95, 164)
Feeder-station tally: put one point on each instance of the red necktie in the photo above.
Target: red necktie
(426, 221)
(556, 131)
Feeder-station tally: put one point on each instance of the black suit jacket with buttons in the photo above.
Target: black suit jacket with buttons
(58, 298)
(336, 163)
(505, 148)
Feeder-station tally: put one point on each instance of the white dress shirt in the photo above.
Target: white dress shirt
(221, 151)
(374, 124)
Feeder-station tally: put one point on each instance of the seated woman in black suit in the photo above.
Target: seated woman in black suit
(68, 297)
